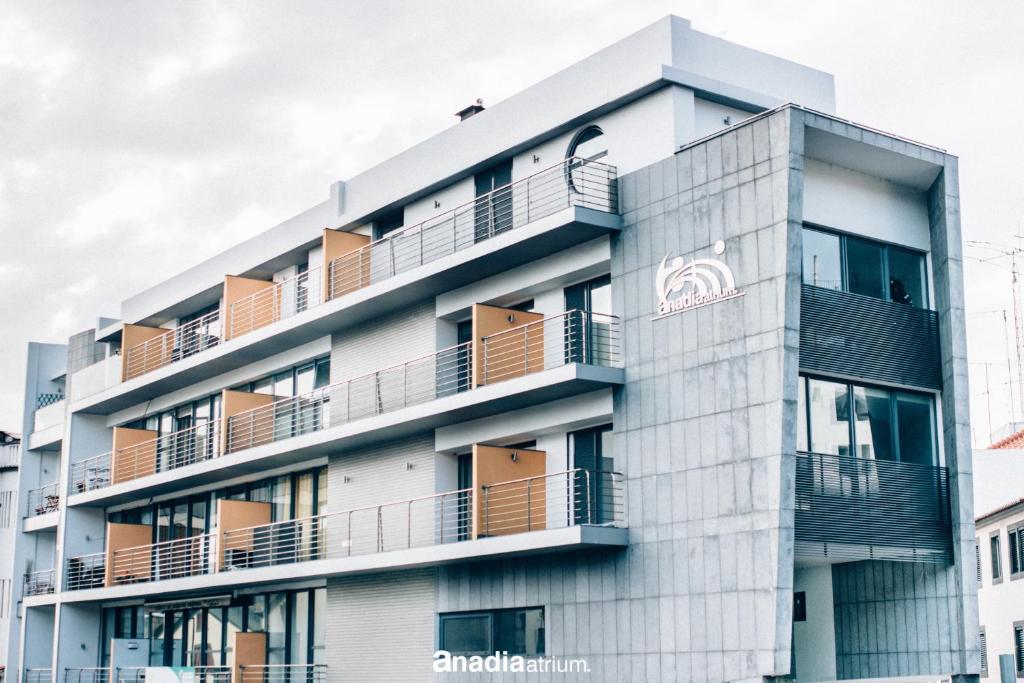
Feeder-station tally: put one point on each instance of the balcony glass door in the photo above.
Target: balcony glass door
(591, 492)
(493, 212)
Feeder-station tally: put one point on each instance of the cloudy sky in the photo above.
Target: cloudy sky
(140, 137)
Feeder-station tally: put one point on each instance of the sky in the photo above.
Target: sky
(141, 137)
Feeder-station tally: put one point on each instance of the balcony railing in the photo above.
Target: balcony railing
(92, 473)
(168, 452)
(42, 500)
(39, 676)
(201, 674)
(87, 675)
(130, 674)
(40, 582)
(160, 561)
(283, 673)
(574, 182)
(572, 337)
(174, 345)
(277, 302)
(48, 399)
(10, 456)
(86, 571)
(417, 381)
(550, 501)
(859, 508)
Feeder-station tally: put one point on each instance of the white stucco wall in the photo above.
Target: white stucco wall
(814, 640)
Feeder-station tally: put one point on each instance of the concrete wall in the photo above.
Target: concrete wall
(814, 640)
(395, 337)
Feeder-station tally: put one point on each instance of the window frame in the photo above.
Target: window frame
(492, 634)
(995, 545)
(886, 247)
(977, 557)
(1018, 650)
(803, 384)
(1015, 536)
(983, 651)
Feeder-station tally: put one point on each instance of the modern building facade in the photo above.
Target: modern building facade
(658, 365)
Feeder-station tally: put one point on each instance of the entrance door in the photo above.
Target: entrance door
(493, 213)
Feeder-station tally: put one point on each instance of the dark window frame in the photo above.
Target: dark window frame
(995, 545)
(492, 636)
(886, 248)
(1018, 648)
(1015, 549)
(804, 385)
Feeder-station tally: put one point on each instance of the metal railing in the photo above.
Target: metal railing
(860, 508)
(41, 582)
(283, 673)
(43, 400)
(87, 675)
(130, 674)
(38, 676)
(417, 522)
(212, 674)
(164, 560)
(417, 381)
(167, 452)
(86, 571)
(549, 501)
(573, 182)
(572, 337)
(91, 473)
(174, 345)
(277, 302)
(10, 456)
(42, 500)
(553, 501)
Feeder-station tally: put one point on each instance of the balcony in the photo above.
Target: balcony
(39, 676)
(851, 508)
(47, 421)
(514, 365)
(199, 674)
(508, 227)
(283, 673)
(10, 456)
(93, 674)
(499, 517)
(842, 333)
(42, 582)
(42, 501)
(86, 571)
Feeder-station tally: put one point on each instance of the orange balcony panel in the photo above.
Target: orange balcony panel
(512, 360)
(134, 454)
(520, 502)
(120, 537)
(249, 305)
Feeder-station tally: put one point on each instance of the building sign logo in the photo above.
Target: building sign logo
(684, 286)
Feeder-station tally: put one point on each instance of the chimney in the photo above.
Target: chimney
(472, 109)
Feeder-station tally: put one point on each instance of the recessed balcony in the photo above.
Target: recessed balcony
(40, 582)
(41, 507)
(543, 512)
(508, 227)
(850, 508)
(515, 364)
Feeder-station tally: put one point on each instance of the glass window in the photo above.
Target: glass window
(829, 417)
(234, 625)
(872, 411)
(466, 634)
(299, 635)
(590, 143)
(520, 631)
(1015, 552)
(907, 277)
(864, 268)
(821, 261)
(276, 628)
(801, 414)
(214, 637)
(915, 418)
(997, 557)
(319, 626)
(304, 380)
(156, 639)
(323, 373)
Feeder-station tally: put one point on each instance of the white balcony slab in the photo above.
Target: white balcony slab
(547, 235)
(47, 522)
(515, 545)
(47, 439)
(492, 399)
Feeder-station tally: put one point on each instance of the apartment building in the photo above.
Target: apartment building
(658, 365)
(10, 452)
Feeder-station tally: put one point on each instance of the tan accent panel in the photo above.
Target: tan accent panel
(347, 275)
(512, 508)
(252, 313)
(238, 514)
(250, 649)
(121, 536)
(134, 454)
(522, 352)
(155, 356)
(255, 430)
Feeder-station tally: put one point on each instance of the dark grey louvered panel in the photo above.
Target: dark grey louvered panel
(858, 336)
(860, 509)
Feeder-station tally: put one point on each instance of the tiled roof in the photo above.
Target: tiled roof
(1002, 508)
(1015, 440)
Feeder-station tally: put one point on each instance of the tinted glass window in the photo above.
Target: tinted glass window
(907, 278)
(821, 260)
(520, 632)
(873, 423)
(466, 634)
(864, 268)
(914, 416)
(829, 417)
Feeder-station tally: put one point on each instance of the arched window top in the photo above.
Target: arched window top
(590, 144)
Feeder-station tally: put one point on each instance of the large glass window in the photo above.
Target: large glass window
(840, 418)
(822, 264)
(863, 266)
(516, 631)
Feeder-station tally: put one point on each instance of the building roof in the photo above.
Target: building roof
(999, 510)
(1011, 442)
